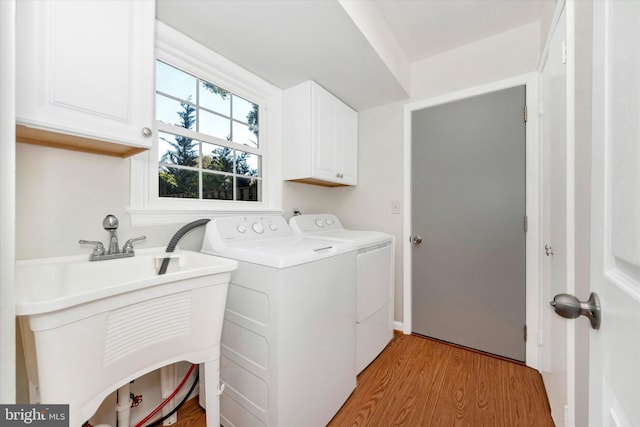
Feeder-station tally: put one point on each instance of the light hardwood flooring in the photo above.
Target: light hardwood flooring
(419, 382)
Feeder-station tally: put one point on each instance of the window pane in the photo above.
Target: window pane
(175, 113)
(174, 82)
(248, 189)
(215, 186)
(214, 125)
(217, 158)
(242, 108)
(242, 134)
(248, 164)
(177, 150)
(193, 168)
(214, 98)
(180, 183)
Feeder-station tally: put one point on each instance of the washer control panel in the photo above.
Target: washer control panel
(235, 229)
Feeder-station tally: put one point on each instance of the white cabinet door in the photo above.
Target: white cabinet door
(348, 149)
(320, 137)
(86, 69)
(325, 134)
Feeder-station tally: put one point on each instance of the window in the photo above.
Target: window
(217, 139)
(208, 139)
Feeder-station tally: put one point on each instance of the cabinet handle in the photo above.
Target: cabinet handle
(146, 132)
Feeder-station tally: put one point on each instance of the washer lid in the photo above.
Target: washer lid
(266, 240)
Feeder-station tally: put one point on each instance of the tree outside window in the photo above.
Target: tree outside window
(213, 166)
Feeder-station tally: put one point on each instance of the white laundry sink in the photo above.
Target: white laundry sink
(90, 327)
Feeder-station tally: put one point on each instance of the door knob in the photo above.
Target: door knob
(570, 307)
(548, 250)
(416, 240)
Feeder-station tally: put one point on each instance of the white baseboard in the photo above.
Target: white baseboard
(398, 326)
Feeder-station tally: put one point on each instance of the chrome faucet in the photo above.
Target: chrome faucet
(110, 223)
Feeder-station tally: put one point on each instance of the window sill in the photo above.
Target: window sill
(163, 216)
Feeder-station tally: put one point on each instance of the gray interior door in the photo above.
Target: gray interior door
(468, 206)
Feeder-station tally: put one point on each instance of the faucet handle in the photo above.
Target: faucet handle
(128, 245)
(98, 250)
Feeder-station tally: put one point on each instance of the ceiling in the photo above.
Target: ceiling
(360, 50)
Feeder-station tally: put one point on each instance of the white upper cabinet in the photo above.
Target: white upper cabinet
(85, 74)
(320, 137)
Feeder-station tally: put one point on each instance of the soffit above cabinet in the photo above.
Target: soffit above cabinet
(289, 42)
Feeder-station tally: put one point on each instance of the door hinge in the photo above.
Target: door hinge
(540, 109)
(525, 332)
(526, 223)
(564, 52)
(525, 114)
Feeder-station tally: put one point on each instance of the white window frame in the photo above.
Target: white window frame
(176, 49)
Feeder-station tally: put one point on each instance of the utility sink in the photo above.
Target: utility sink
(90, 327)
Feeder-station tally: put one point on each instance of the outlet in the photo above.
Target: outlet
(395, 207)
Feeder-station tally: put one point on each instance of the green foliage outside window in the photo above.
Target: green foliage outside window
(186, 164)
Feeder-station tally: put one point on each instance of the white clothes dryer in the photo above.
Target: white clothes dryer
(375, 256)
(288, 348)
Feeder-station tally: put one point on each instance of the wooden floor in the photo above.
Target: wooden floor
(418, 382)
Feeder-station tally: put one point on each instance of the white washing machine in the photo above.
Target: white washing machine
(288, 348)
(375, 279)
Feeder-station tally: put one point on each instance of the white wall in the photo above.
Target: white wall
(504, 55)
(380, 177)
(308, 199)
(63, 196)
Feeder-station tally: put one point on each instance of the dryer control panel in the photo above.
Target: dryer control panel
(315, 222)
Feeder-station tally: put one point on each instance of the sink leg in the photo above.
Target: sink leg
(212, 395)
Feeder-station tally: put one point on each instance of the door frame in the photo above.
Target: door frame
(7, 203)
(532, 209)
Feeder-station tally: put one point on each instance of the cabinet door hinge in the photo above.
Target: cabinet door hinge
(525, 114)
(526, 223)
(564, 52)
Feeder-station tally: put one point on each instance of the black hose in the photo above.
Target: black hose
(176, 237)
(179, 405)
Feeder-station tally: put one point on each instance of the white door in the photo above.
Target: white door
(615, 348)
(557, 226)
